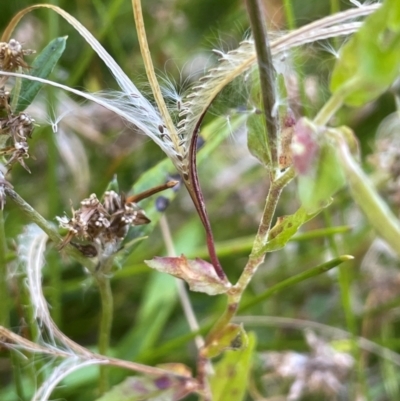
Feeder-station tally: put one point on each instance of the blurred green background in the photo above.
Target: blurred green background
(91, 146)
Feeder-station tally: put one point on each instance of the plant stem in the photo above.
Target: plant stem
(194, 189)
(379, 215)
(151, 75)
(329, 109)
(103, 283)
(289, 14)
(182, 292)
(315, 271)
(48, 228)
(255, 260)
(6, 308)
(267, 77)
(53, 195)
(351, 323)
(335, 6)
(4, 294)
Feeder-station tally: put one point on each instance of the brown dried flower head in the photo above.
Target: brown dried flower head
(102, 223)
(17, 130)
(12, 55)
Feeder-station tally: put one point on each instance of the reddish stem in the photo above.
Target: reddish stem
(149, 192)
(198, 200)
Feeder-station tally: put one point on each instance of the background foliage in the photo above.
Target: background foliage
(85, 154)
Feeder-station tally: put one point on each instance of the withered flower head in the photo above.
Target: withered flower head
(12, 55)
(17, 129)
(102, 223)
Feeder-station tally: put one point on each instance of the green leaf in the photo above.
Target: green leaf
(232, 373)
(113, 185)
(376, 209)
(41, 67)
(232, 337)
(257, 138)
(315, 190)
(370, 61)
(164, 388)
(285, 228)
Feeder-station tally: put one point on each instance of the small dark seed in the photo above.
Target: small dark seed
(162, 203)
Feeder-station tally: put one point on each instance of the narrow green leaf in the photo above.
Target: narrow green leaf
(370, 61)
(376, 209)
(315, 189)
(298, 278)
(164, 388)
(232, 373)
(257, 138)
(285, 228)
(41, 67)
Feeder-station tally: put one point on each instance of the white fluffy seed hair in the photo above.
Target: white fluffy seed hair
(31, 248)
(131, 105)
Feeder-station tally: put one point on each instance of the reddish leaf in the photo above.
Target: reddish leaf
(199, 274)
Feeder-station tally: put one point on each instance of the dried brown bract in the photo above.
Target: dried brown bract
(12, 55)
(101, 223)
(17, 130)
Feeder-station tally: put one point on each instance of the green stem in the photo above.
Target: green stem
(351, 323)
(267, 77)
(48, 228)
(6, 308)
(235, 293)
(274, 194)
(103, 283)
(151, 75)
(154, 354)
(329, 109)
(53, 202)
(53, 194)
(289, 14)
(4, 295)
(379, 215)
(315, 271)
(335, 6)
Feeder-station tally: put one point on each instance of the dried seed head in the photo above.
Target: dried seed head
(5, 101)
(12, 55)
(101, 223)
(18, 129)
